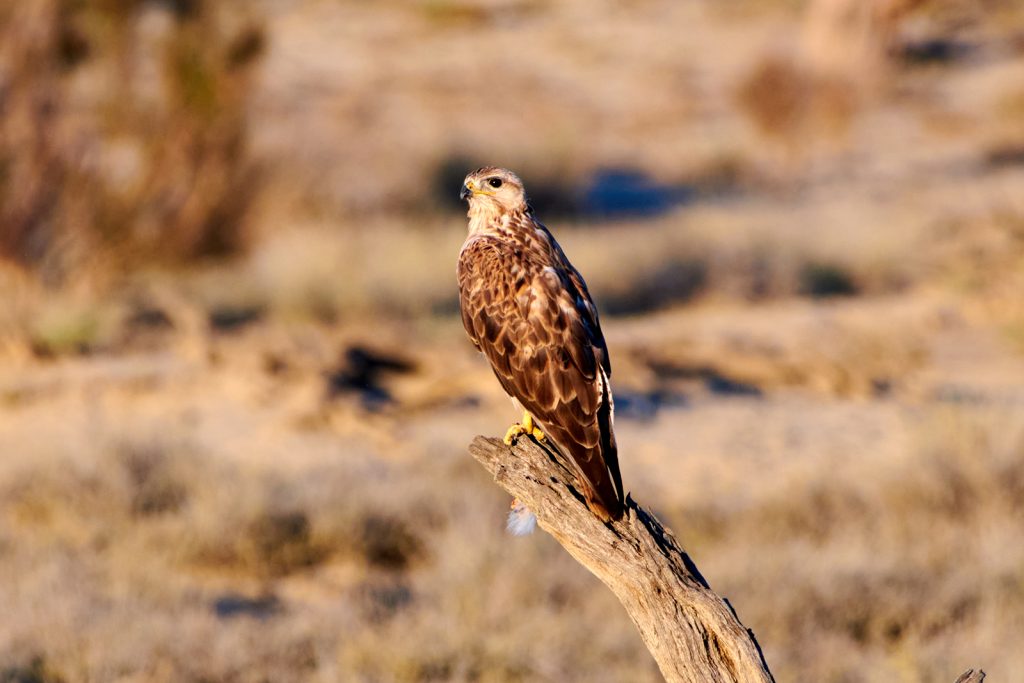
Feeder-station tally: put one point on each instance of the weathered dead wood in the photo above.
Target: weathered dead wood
(971, 676)
(694, 635)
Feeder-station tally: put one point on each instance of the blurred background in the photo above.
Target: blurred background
(235, 394)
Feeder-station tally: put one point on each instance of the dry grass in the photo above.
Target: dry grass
(870, 547)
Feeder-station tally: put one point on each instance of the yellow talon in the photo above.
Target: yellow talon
(512, 435)
(530, 428)
(527, 427)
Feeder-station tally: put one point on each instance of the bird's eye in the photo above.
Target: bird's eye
(494, 182)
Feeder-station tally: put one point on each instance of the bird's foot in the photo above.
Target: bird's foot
(527, 427)
(513, 434)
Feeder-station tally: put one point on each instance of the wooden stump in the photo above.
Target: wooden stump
(694, 634)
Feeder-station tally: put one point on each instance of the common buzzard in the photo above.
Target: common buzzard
(527, 309)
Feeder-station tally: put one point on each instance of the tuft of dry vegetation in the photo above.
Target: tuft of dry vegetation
(789, 104)
(125, 128)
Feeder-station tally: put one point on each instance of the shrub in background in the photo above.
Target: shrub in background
(123, 130)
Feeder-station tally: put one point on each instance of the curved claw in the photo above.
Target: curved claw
(513, 434)
(527, 427)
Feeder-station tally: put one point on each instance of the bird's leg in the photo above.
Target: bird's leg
(526, 427)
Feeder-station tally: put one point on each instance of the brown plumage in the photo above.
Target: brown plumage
(528, 310)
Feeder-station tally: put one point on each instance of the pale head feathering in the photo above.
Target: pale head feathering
(493, 192)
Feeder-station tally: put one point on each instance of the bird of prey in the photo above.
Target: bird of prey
(527, 309)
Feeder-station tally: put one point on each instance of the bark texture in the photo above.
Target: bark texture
(693, 634)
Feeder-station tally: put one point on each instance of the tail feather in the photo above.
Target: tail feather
(598, 465)
(613, 498)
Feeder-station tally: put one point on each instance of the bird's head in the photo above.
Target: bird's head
(493, 190)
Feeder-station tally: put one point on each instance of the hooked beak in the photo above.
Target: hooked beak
(465, 192)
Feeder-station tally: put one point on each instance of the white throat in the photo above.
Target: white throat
(484, 217)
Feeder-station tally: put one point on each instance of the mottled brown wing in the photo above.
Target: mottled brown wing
(524, 312)
(584, 304)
